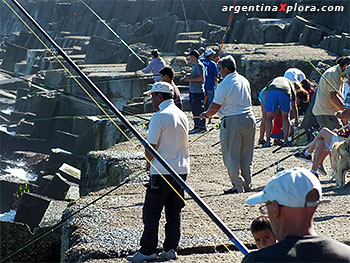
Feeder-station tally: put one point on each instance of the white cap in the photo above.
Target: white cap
(289, 188)
(161, 86)
(208, 52)
(294, 74)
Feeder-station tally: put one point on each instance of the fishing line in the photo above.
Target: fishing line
(114, 33)
(148, 147)
(322, 76)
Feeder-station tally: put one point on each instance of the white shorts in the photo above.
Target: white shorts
(335, 138)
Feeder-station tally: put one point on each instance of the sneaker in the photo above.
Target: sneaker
(194, 131)
(266, 145)
(139, 257)
(277, 142)
(321, 170)
(231, 191)
(302, 155)
(166, 255)
(261, 141)
(315, 173)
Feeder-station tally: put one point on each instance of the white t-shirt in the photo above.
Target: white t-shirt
(294, 74)
(168, 129)
(233, 94)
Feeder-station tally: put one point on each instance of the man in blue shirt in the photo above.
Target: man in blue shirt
(211, 76)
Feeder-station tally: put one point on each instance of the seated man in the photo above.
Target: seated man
(322, 145)
(290, 199)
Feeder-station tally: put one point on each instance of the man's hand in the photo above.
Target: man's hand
(203, 115)
(148, 166)
(344, 114)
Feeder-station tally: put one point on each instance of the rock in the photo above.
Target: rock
(16, 116)
(24, 127)
(311, 36)
(102, 51)
(59, 187)
(326, 41)
(274, 34)
(109, 168)
(334, 44)
(31, 209)
(321, 67)
(344, 44)
(70, 173)
(296, 28)
(13, 55)
(182, 46)
(26, 143)
(134, 64)
(65, 140)
(59, 156)
(4, 138)
(15, 234)
(8, 191)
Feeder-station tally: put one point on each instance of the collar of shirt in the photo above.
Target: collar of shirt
(231, 75)
(165, 104)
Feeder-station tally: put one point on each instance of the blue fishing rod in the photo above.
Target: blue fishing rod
(144, 142)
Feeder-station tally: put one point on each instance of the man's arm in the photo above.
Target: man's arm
(148, 69)
(213, 109)
(149, 156)
(336, 101)
(199, 79)
(345, 114)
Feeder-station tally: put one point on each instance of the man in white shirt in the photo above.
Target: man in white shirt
(232, 102)
(168, 134)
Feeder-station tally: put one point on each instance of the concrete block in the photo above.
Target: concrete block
(58, 188)
(134, 64)
(70, 173)
(31, 209)
(296, 28)
(65, 140)
(334, 45)
(325, 42)
(24, 127)
(4, 139)
(311, 36)
(59, 157)
(183, 45)
(13, 55)
(26, 143)
(7, 195)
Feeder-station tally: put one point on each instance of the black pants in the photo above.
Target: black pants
(159, 195)
(197, 107)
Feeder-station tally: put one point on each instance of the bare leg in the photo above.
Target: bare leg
(320, 153)
(263, 122)
(285, 125)
(325, 135)
(269, 118)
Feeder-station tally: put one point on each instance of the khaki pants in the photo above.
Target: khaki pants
(329, 121)
(237, 135)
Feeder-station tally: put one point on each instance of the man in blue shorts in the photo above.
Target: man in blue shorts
(280, 93)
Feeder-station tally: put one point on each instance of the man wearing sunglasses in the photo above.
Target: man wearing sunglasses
(290, 199)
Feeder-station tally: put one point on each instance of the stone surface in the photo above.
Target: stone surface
(31, 209)
(119, 215)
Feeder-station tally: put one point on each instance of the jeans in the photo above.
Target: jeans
(209, 94)
(197, 107)
(159, 195)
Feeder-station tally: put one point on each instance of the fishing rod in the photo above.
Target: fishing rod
(144, 142)
(204, 134)
(114, 33)
(275, 163)
(59, 224)
(227, 26)
(296, 137)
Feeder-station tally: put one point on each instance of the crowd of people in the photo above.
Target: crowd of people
(284, 232)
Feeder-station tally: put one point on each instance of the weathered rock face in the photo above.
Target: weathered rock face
(109, 168)
(45, 250)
